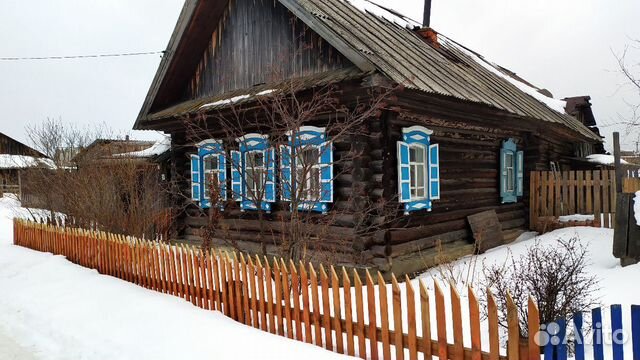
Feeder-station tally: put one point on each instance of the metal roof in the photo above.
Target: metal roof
(373, 43)
(405, 57)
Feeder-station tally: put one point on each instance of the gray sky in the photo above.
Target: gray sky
(562, 45)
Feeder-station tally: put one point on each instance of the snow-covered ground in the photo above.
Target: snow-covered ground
(53, 309)
(56, 310)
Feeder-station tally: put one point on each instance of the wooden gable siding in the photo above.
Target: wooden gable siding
(257, 42)
(13, 147)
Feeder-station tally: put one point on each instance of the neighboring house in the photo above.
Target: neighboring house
(105, 151)
(158, 154)
(457, 139)
(15, 159)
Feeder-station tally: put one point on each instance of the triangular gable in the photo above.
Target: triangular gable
(254, 42)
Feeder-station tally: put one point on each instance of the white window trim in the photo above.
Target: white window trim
(206, 173)
(426, 174)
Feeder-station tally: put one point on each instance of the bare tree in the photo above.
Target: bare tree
(281, 114)
(98, 190)
(629, 66)
(554, 275)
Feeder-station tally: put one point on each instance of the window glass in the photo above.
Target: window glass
(509, 166)
(211, 172)
(255, 173)
(308, 173)
(417, 167)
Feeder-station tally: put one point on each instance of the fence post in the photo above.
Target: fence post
(617, 160)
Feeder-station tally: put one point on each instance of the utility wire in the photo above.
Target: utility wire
(81, 56)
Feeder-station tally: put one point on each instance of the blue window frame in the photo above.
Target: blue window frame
(208, 172)
(418, 169)
(511, 172)
(253, 173)
(308, 155)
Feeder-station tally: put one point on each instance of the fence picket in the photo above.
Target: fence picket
(533, 322)
(269, 287)
(373, 313)
(337, 310)
(306, 317)
(441, 322)
(230, 285)
(412, 334)
(494, 336)
(315, 299)
(278, 281)
(596, 320)
(474, 325)
(362, 349)
(513, 330)
(261, 293)
(635, 330)
(245, 291)
(237, 282)
(426, 320)
(579, 336)
(326, 309)
(616, 328)
(255, 322)
(397, 318)
(456, 312)
(287, 300)
(346, 284)
(295, 284)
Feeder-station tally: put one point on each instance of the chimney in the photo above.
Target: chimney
(426, 20)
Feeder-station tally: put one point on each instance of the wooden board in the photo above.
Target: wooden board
(486, 229)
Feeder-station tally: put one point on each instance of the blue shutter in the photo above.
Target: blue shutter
(503, 173)
(508, 148)
(326, 172)
(520, 173)
(236, 175)
(285, 172)
(270, 185)
(195, 178)
(222, 175)
(404, 176)
(434, 172)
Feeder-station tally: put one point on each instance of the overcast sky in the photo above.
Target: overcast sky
(562, 45)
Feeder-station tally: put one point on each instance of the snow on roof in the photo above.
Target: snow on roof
(604, 159)
(385, 13)
(554, 104)
(235, 99)
(23, 162)
(159, 148)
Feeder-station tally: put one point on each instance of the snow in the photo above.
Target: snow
(225, 101)
(159, 148)
(604, 159)
(53, 309)
(236, 99)
(554, 104)
(576, 217)
(636, 207)
(22, 162)
(387, 14)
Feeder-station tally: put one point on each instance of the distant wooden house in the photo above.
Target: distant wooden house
(15, 159)
(458, 138)
(105, 151)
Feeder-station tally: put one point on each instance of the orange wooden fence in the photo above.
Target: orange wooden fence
(295, 300)
(554, 194)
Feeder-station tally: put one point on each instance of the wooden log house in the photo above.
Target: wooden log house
(457, 138)
(15, 159)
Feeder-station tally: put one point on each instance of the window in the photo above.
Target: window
(511, 172)
(208, 171)
(418, 169)
(253, 173)
(309, 157)
(256, 173)
(308, 173)
(211, 171)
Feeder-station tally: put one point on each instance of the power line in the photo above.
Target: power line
(81, 56)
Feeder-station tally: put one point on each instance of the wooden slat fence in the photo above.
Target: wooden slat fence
(594, 333)
(554, 194)
(325, 306)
